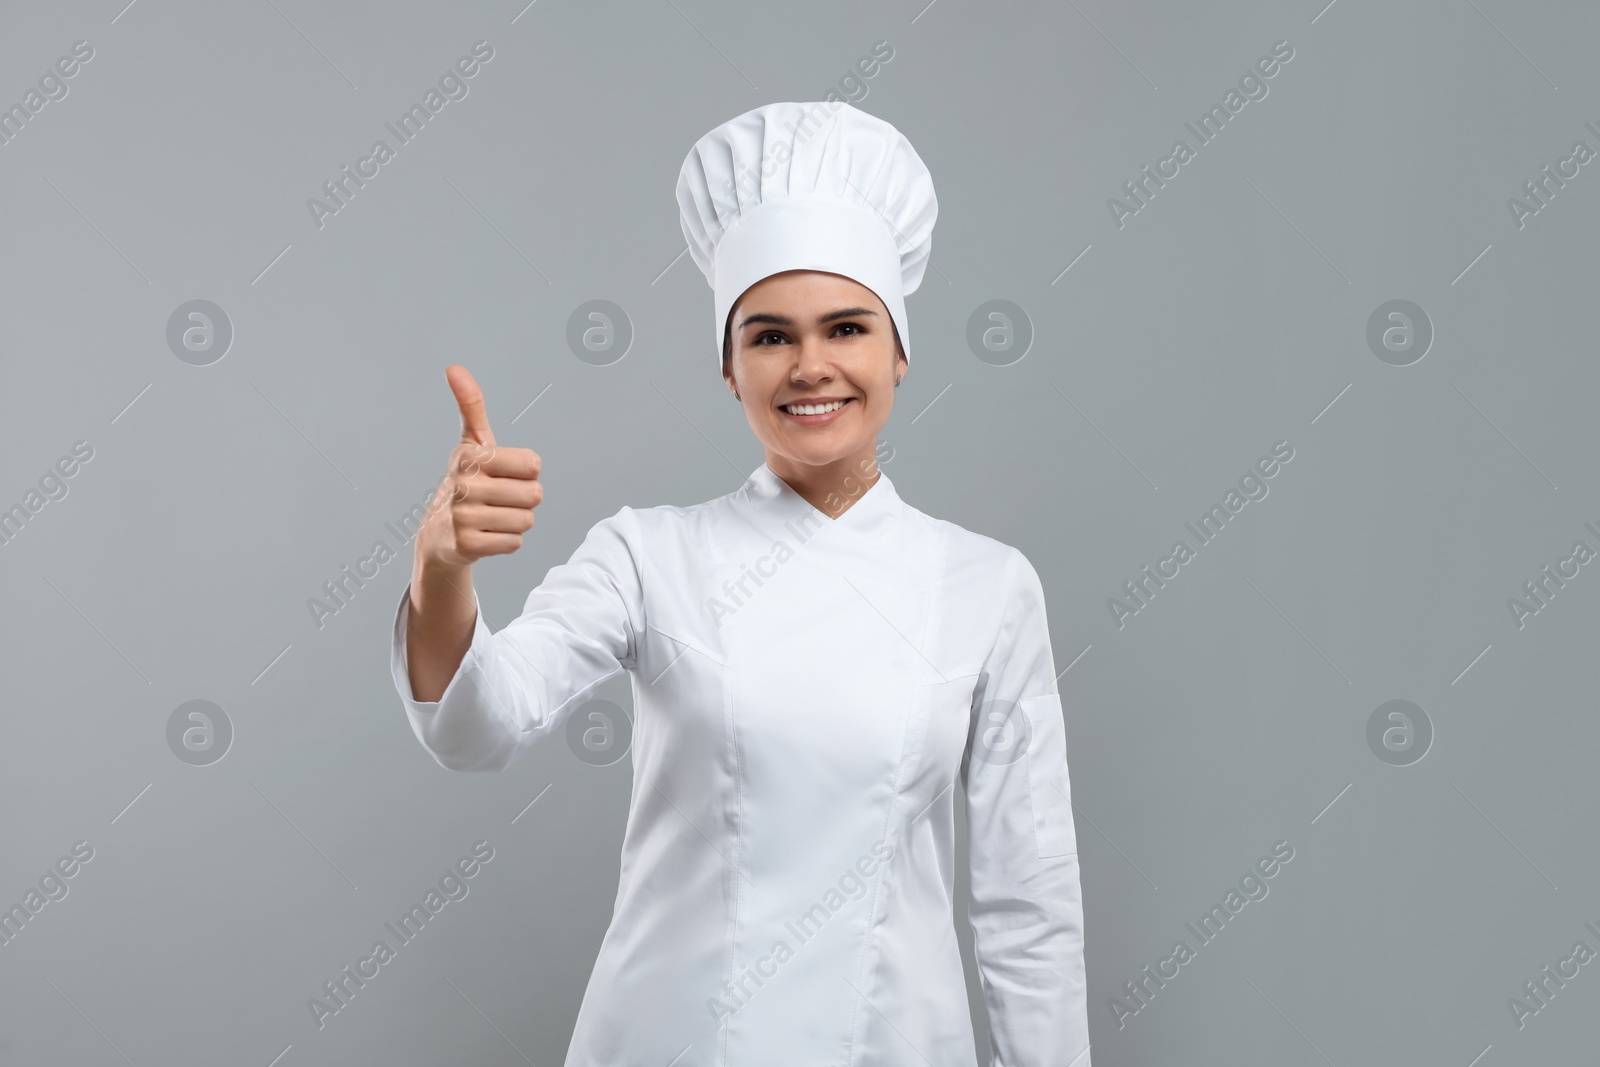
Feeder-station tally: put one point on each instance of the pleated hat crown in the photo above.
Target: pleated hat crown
(807, 186)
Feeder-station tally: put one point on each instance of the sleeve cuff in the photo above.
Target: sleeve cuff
(400, 668)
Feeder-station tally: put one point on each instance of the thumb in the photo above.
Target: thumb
(469, 398)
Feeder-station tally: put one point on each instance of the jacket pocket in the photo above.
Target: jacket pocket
(1048, 787)
(945, 711)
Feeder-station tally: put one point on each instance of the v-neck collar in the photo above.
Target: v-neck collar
(874, 515)
(873, 542)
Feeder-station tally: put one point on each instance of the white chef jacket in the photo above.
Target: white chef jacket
(806, 692)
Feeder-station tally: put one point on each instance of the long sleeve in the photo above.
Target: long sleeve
(1026, 904)
(578, 627)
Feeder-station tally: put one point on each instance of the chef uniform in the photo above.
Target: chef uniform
(807, 694)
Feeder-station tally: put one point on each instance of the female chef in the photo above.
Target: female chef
(815, 665)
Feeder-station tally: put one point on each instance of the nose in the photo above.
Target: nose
(812, 362)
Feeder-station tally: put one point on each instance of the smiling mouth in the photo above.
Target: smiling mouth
(802, 409)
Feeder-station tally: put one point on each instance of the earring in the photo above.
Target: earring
(897, 383)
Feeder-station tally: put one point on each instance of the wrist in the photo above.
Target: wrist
(435, 581)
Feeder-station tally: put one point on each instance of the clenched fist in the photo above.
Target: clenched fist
(485, 502)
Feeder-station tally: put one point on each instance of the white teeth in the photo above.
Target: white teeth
(813, 409)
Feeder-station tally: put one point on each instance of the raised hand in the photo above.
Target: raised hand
(485, 502)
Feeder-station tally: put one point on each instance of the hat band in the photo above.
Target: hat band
(811, 233)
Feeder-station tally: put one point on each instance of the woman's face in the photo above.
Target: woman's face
(809, 337)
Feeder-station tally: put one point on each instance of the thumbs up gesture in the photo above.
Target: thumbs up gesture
(485, 503)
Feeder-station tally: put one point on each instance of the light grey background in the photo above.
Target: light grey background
(1229, 314)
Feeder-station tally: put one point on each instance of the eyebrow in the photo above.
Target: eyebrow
(823, 320)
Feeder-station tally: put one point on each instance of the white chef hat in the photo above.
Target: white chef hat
(819, 186)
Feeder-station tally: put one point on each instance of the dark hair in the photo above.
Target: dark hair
(727, 339)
